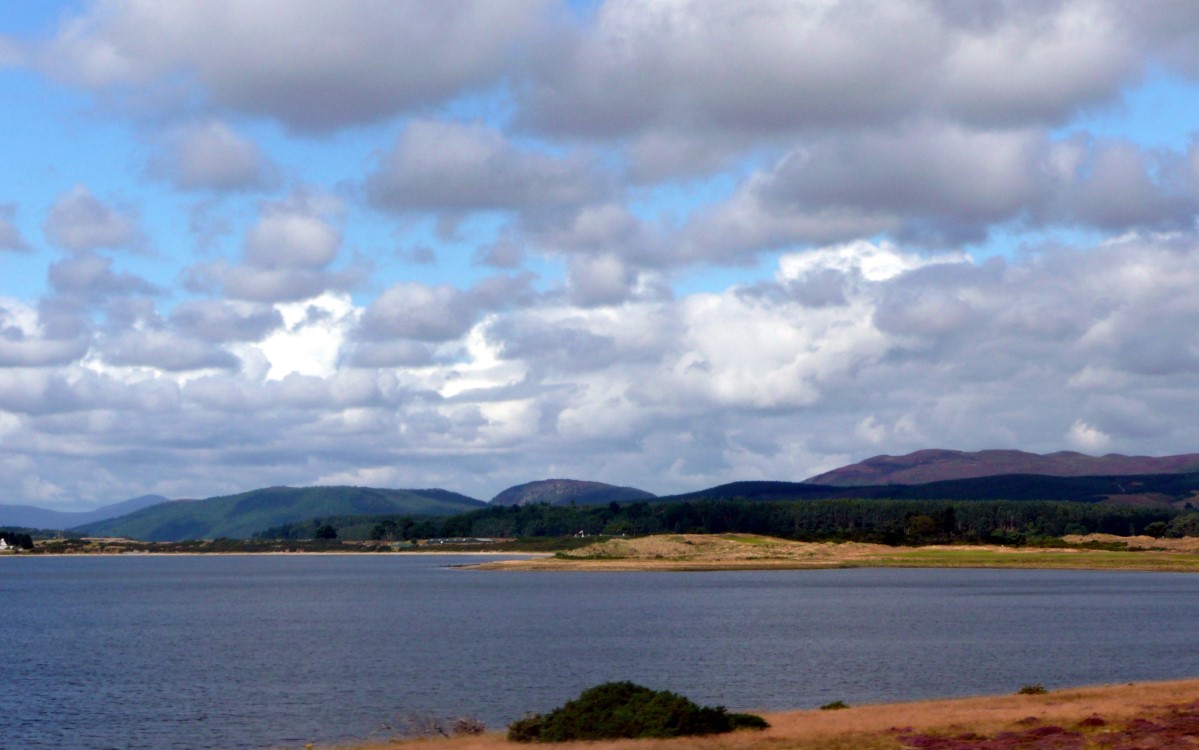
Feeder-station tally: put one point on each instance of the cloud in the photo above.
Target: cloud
(418, 311)
(25, 342)
(219, 321)
(163, 349)
(89, 277)
(457, 168)
(286, 254)
(770, 67)
(210, 156)
(946, 186)
(276, 59)
(10, 236)
(80, 222)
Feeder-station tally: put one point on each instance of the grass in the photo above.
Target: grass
(746, 551)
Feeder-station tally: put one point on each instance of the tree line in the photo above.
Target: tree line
(884, 521)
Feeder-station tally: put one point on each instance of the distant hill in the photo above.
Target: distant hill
(42, 518)
(240, 516)
(567, 491)
(939, 465)
(1132, 489)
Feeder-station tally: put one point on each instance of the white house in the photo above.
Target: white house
(4, 545)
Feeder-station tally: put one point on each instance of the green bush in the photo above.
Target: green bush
(834, 706)
(1035, 688)
(623, 710)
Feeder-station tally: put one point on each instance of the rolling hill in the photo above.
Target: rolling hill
(41, 518)
(567, 491)
(240, 516)
(927, 466)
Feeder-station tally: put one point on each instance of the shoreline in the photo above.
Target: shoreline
(716, 552)
(1114, 716)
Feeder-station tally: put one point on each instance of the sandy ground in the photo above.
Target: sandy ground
(1114, 717)
(682, 552)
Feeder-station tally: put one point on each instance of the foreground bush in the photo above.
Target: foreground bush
(622, 710)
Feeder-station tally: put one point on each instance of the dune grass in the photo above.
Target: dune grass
(747, 551)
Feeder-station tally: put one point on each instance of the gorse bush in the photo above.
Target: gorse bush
(623, 710)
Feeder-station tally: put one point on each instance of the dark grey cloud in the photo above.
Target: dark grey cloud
(275, 58)
(80, 222)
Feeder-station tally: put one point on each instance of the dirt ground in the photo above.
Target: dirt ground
(1114, 717)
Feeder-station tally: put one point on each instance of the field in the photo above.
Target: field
(1118, 717)
(745, 551)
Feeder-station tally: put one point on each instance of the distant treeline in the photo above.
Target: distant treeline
(17, 537)
(885, 521)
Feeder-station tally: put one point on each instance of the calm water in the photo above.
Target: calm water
(269, 651)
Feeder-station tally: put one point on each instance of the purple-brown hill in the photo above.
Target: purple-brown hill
(567, 491)
(937, 465)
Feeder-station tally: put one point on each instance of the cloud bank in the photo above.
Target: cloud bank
(660, 244)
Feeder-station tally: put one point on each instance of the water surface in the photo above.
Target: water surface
(269, 651)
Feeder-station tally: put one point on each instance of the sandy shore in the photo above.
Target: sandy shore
(696, 552)
(1113, 717)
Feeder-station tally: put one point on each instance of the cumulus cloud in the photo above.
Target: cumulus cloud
(772, 66)
(220, 321)
(80, 222)
(446, 166)
(26, 342)
(10, 236)
(286, 254)
(89, 277)
(210, 156)
(275, 58)
(945, 186)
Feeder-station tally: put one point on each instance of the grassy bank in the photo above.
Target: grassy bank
(1118, 717)
(682, 552)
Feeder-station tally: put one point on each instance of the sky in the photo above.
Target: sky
(658, 243)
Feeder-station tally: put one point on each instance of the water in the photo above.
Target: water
(271, 651)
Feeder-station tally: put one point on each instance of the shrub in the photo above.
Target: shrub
(623, 710)
(1035, 688)
(834, 706)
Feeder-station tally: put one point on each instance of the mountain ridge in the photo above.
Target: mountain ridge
(566, 491)
(935, 465)
(31, 516)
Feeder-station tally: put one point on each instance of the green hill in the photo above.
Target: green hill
(240, 516)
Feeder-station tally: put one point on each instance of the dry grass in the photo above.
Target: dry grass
(745, 551)
(1121, 709)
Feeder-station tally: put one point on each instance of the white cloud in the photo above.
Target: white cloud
(1084, 437)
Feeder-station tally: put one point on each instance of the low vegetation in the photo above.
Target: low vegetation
(623, 710)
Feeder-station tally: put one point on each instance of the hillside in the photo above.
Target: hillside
(42, 518)
(240, 516)
(926, 466)
(1137, 489)
(567, 491)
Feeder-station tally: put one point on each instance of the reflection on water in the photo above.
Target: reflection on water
(268, 651)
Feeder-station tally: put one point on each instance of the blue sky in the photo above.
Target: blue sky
(662, 244)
